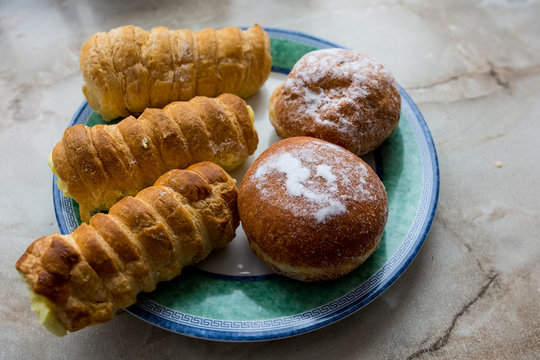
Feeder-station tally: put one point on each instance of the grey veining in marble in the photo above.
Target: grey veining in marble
(473, 67)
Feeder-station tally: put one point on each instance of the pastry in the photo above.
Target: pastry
(340, 96)
(128, 69)
(99, 165)
(312, 210)
(81, 279)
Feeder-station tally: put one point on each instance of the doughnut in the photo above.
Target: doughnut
(340, 96)
(312, 210)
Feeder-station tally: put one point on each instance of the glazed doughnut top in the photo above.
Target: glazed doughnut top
(340, 96)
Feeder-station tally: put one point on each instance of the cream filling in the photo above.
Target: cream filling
(251, 113)
(60, 183)
(46, 316)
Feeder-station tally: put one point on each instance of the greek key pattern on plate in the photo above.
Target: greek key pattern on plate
(69, 213)
(379, 279)
(327, 313)
(374, 285)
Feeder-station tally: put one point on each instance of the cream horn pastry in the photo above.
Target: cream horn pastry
(99, 165)
(81, 279)
(128, 69)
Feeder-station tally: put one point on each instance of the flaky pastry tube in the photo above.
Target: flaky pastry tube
(81, 279)
(128, 69)
(99, 165)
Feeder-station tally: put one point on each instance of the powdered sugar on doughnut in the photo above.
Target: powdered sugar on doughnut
(354, 74)
(315, 177)
(338, 95)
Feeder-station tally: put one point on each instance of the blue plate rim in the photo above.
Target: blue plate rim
(242, 331)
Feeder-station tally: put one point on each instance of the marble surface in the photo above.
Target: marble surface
(473, 67)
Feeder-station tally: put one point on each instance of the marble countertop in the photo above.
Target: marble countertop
(473, 68)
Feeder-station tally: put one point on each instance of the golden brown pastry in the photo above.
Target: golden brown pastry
(128, 69)
(99, 165)
(81, 279)
(312, 210)
(340, 96)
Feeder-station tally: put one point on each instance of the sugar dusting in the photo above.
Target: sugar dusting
(332, 87)
(325, 171)
(314, 175)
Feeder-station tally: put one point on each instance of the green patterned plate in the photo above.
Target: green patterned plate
(232, 296)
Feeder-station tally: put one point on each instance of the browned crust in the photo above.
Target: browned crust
(104, 163)
(145, 239)
(128, 69)
(370, 118)
(235, 109)
(299, 246)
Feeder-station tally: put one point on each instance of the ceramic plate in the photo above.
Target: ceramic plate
(232, 296)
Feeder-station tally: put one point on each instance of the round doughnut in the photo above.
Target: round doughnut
(312, 210)
(340, 96)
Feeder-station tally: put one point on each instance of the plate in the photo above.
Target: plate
(232, 296)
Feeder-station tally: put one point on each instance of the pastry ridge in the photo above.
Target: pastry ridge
(102, 266)
(99, 165)
(129, 69)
